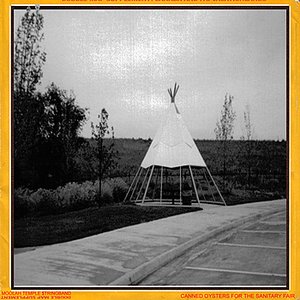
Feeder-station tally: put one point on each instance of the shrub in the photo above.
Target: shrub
(106, 193)
(119, 188)
(45, 201)
(22, 202)
(271, 184)
(227, 187)
(72, 196)
(76, 196)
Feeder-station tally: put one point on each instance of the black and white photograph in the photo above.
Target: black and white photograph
(150, 147)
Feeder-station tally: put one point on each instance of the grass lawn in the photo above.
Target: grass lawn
(46, 230)
(243, 196)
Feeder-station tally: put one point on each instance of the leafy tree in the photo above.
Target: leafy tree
(62, 122)
(224, 131)
(28, 118)
(104, 152)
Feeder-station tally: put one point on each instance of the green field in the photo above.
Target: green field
(268, 161)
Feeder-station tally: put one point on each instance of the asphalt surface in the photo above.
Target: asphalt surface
(125, 256)
(252, 255)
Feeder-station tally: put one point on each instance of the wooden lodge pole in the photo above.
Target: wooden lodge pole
(148, 184)
(131, 184)
(216, 186)
(194, 186)
(161, 183)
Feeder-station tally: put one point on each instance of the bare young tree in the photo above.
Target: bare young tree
(106, 154)
(224, 131)
(249, 144)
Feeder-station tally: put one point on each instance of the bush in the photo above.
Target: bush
(22, 202)
(76, 196)
(227, 187)
(45, 201)
(113, 191)
(119, 188)
(106, 193)
(72, 196)
(272, 184)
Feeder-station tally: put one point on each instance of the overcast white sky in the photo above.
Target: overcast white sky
(125, 60)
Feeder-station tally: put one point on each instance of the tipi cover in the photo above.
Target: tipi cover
(173, 145)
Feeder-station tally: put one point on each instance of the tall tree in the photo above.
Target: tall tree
(28, 109)
(63, 120)
(29, 56)
(224, 131)
(105, 153)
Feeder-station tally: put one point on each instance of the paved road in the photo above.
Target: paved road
(123, 257)
(254, 254)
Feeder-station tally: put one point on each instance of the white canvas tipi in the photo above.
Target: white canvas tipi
(173, 167)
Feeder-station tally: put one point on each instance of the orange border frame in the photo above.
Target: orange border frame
(294, 149)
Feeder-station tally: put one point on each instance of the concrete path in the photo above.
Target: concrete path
(127, 255)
